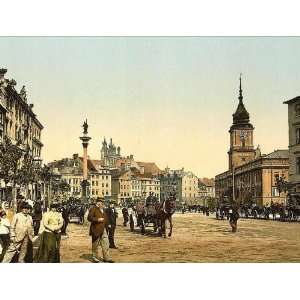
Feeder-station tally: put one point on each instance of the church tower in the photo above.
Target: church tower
(241, 136)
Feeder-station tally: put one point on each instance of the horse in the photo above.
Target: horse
(164, 212)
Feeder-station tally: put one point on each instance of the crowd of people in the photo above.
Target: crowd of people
(33, 224)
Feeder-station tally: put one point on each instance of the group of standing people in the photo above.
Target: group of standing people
(18, 237)
(31, 223)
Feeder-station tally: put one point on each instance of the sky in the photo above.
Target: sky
(164, 100)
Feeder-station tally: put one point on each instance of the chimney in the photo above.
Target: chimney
(142, 169)
(2, 73)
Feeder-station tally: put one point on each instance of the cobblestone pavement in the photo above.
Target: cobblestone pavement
(196, 238)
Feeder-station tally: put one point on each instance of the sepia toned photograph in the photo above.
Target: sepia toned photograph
(149, 149)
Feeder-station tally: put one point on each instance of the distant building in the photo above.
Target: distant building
(206, 189)
(183, 183)
(121, 186)
(251, 176)
(71, 170)
(110, 154)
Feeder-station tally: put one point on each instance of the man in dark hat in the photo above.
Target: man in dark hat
(21, 233)
(99, 224)
(112, 223)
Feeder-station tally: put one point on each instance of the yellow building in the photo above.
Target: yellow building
(71, 170)
(251, 176)
(121, 186)
(183, 183)
(100, 183)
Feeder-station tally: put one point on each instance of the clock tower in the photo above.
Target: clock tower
(241, 136)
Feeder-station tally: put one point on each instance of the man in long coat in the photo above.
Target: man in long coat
(99, 224)
(112, 223)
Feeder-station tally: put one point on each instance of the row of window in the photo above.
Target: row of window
(156, 188)
(103, 176)
(96, 192)
(124, 194)
(76, 189)
(76, 181)
(96, 183)
(124, 186)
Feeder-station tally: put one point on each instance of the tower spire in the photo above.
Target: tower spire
(241, 91)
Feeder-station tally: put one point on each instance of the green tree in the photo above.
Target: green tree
(10, 156)
(60, 188)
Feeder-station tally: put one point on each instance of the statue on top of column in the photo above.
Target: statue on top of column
(85, 127)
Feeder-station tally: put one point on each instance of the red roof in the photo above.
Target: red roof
(207, 181)
(150, 168)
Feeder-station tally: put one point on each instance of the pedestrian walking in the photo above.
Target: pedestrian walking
(37, 215)
(4, 233)
(49, 249)
(112, 223)
(125, 216)
(99, 224)
(233, 217)
(21, 233)
(65, 215)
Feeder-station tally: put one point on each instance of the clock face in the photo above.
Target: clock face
(243, 134)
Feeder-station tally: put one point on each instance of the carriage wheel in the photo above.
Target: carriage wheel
(131, 223)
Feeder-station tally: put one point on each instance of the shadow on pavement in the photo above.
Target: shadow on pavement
(87, 257)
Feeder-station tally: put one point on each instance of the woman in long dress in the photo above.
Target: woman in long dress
(52, 223)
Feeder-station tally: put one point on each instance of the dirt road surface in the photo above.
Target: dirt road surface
(196, 238)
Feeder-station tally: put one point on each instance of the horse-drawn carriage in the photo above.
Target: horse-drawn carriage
(153, 214)
(76, 211)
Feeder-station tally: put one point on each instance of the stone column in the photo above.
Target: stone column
(85, 142)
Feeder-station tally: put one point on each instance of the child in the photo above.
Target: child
(4, 233)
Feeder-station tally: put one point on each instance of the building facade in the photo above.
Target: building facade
(206, 189)
(183, 183)
(100, 183)
(255, 181)
(17, 119)
(20, 124)
(294, 144)
(71, 171)
(251, 176)
(121, 186)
